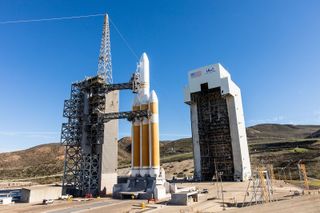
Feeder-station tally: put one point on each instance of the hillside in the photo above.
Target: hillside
(124, 151)
(278, 132)
(315, 135)
(37, 161)
(268, 143)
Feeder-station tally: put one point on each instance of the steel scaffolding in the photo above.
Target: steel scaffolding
(214, 134)
(83, 134)
(104, 61)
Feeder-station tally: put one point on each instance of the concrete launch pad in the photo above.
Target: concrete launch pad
(233, 195)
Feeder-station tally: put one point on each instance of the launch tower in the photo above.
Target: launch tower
(91, 132)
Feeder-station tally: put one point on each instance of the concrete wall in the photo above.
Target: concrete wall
(109, 158)
(38, 193)
(239, 138)
(196, 145)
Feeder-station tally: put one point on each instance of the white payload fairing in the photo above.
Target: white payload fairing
(145, 131)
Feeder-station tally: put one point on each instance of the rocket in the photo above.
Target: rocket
(145, 132)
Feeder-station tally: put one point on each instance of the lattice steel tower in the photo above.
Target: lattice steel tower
(86, 165)
(104, 63)
(90, 135)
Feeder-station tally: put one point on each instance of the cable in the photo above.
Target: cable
(72, 17)
(49, 19)
(125, 41)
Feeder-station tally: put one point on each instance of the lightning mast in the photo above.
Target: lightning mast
(104, 62)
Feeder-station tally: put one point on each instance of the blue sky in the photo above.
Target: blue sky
(271, 48)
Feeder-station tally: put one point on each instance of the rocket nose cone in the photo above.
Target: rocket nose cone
(143, 63)
(144, 57)
(153, 96)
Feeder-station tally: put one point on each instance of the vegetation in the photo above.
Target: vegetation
(177, 157)
(299, 150)
(280, 145)
(313, 184)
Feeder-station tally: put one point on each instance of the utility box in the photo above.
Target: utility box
(218, 129)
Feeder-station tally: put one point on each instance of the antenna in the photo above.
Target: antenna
(104, 62)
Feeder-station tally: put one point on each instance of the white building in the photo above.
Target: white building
(5, 200)
(218, 128)
(34, 194)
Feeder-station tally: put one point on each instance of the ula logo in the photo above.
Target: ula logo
(211, 69)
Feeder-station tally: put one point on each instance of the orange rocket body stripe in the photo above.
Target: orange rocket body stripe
(144, 106)
(145, 139)
(136, 145)
(136, 140)
(145, 145)
(154, 108)
(154, 126)
(136, 108)
(155, 145)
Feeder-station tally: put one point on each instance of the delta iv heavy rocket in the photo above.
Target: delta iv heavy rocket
(145, 132)
(147, 179)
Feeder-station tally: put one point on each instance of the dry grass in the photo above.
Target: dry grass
(270, 143)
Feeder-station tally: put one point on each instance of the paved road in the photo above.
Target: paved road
(207, 203)
(303, 204)
(61, 206)
(86, 207)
